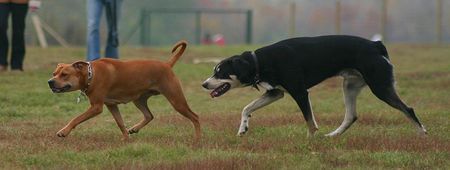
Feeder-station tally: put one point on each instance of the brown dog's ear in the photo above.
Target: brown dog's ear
(79, 65)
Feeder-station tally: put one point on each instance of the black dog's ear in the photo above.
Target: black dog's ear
(240, 64)
(79, 65)
(241, 68)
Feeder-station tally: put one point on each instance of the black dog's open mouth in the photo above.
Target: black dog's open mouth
(219, 91)
(60, 90)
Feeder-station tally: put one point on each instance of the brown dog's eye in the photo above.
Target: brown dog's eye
(63, 74)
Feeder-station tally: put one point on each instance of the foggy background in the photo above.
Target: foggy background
(407, 21)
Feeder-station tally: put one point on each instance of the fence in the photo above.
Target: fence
(399, 21)
(383, 19)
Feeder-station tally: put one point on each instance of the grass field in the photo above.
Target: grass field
(30, 115)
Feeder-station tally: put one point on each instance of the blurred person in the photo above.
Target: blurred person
(94, 12)
(207, 40)
(18, 10)
(216, 39)
(219, 39)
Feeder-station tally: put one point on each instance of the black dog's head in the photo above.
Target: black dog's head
(236, 71)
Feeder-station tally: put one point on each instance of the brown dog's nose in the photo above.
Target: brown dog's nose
(51, 82)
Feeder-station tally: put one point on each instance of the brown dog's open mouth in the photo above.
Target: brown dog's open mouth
(219, 91)
(60, 90)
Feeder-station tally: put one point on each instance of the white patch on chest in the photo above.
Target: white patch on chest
(265, 85)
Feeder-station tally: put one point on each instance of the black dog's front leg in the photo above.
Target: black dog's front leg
(302, 100)
(266, 99)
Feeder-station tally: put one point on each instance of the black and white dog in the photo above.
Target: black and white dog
(297, 64)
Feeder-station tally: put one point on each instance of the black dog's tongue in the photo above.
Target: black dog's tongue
(219, 91)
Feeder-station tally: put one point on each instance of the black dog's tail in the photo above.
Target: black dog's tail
(382, 49)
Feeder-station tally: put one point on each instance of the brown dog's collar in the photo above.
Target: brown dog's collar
(83, 91)
(90, 74)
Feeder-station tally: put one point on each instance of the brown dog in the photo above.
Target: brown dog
(112, 82)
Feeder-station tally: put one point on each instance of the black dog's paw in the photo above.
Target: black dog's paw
(240, 134)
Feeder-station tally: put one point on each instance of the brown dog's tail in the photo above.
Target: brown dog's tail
(176, 56)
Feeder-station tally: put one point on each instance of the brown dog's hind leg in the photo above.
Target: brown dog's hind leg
(141, 104)
(172, 91)
(188, 113)
(116, 114)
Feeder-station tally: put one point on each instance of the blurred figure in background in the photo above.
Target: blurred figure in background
(219, 39)
(94, 13)
(18, 10)
(207, 39)
(216, 39)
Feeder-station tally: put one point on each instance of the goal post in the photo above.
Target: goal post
(148, 16)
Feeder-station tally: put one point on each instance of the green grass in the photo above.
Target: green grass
(382, 138)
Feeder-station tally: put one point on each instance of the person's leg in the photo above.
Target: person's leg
(113, 12)
(94, 13)
(4, 45)
(19, 12)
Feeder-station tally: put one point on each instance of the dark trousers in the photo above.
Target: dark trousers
(18, 13)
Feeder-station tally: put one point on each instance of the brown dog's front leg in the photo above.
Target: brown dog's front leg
(94, 110)
(116, 114)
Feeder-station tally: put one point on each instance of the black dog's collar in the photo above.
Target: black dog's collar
(257, 77)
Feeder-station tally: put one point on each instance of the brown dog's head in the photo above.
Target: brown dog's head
(69, 77)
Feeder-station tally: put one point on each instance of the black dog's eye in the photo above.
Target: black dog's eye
(222, 75)
(217, 68)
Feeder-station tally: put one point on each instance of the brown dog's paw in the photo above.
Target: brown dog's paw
(132, 130)
(125, 139)
(62, 133)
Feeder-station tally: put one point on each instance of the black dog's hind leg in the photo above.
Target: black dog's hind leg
(352, 85)
(389, 95)
(380, 79)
